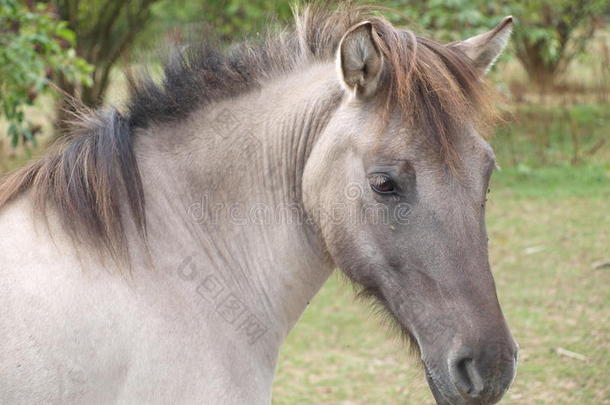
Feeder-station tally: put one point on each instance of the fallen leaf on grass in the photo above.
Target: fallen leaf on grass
(570, 354)
(533, 249)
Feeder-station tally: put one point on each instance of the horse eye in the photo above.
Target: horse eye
(381, 184)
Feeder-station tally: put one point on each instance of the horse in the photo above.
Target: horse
(162, 251)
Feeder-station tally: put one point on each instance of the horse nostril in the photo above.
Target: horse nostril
(481, 374)
(466, 377)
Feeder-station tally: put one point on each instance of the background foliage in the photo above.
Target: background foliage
(52, 39)
(35, 47)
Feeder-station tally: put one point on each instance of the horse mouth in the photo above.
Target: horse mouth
(435, 389)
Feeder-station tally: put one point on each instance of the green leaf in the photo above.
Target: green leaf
(67, 34)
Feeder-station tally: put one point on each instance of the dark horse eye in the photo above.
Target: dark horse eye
(381, 184)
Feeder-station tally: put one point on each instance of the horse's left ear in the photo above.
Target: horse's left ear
(485, 48)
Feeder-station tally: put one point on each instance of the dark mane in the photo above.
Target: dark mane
(94, 171)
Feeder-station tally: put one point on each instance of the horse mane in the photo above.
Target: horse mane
(91, 178)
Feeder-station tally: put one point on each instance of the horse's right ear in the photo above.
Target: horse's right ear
(485, 48)
(359, 60)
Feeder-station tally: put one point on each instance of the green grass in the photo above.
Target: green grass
(547, 227)
(552, 182)
(538, 136)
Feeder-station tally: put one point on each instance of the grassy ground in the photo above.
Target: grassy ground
(547, 228)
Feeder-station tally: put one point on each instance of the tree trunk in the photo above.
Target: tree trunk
(103, 35)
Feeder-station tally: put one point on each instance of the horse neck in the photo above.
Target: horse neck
(224, 190)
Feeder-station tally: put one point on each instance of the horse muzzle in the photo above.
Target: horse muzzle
(473, 377)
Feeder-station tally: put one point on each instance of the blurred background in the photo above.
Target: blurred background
(549, 206)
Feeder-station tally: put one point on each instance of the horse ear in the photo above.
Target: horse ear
(485, 48)
(359, 60)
